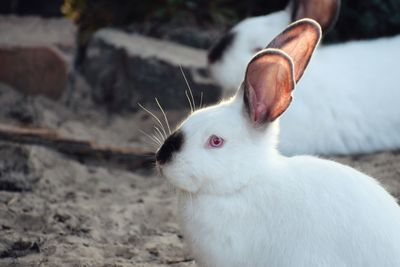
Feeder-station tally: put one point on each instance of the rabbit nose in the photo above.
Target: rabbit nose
(171, 145)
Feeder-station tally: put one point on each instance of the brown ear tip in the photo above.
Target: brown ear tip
(307, 25)
(273, 52)
(314, 24)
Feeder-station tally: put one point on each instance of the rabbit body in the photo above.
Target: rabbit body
(349, 101)
(351, 91)
(309, 212)
(256, 207)
(304, 212)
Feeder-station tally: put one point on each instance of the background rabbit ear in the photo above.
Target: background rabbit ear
(299, 41)
(268, 85)
(325, 12)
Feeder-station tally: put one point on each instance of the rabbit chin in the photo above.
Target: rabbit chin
(188, 183)
(176, 172)
(219, 181)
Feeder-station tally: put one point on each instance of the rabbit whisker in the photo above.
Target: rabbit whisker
(201, 100)
(159, 142)
(165, 116)
(159, 133)
(156, 118)
(190, 89)
(154, 139)
(190, 103)
(152, 145)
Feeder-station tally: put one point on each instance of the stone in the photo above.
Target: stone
(190, 35)
(35, 54)
(34, 70)
(126, 69)
(31, 30)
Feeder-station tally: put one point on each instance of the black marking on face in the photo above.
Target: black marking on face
(171, 145)
(217, 51)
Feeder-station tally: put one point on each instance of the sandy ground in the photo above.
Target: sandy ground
(57, 211)
(78, 215)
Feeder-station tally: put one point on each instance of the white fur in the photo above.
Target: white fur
(347, 102)
(244, 204)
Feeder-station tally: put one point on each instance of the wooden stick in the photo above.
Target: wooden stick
(133, 158)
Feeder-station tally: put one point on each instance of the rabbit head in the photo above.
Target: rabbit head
(216, 149)
(228, 58)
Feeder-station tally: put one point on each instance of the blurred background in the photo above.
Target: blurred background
(76, 186)
(368, 19)
(194, 24)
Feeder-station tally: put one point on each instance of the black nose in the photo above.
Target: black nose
(171, 145)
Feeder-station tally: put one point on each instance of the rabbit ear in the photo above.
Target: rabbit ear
(325, 12)
(299, 41)
(268, 85)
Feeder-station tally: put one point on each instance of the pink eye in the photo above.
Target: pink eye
(215, 141)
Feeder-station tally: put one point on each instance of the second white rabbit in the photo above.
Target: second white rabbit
(348, 103)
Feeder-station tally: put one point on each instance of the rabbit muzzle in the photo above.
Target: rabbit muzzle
(171, 145)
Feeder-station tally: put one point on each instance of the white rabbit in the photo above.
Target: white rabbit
(351, 92)
(242, 204)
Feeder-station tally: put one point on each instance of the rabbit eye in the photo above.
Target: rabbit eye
(215, 141)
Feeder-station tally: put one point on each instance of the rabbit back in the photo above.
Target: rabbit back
(347, 102)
